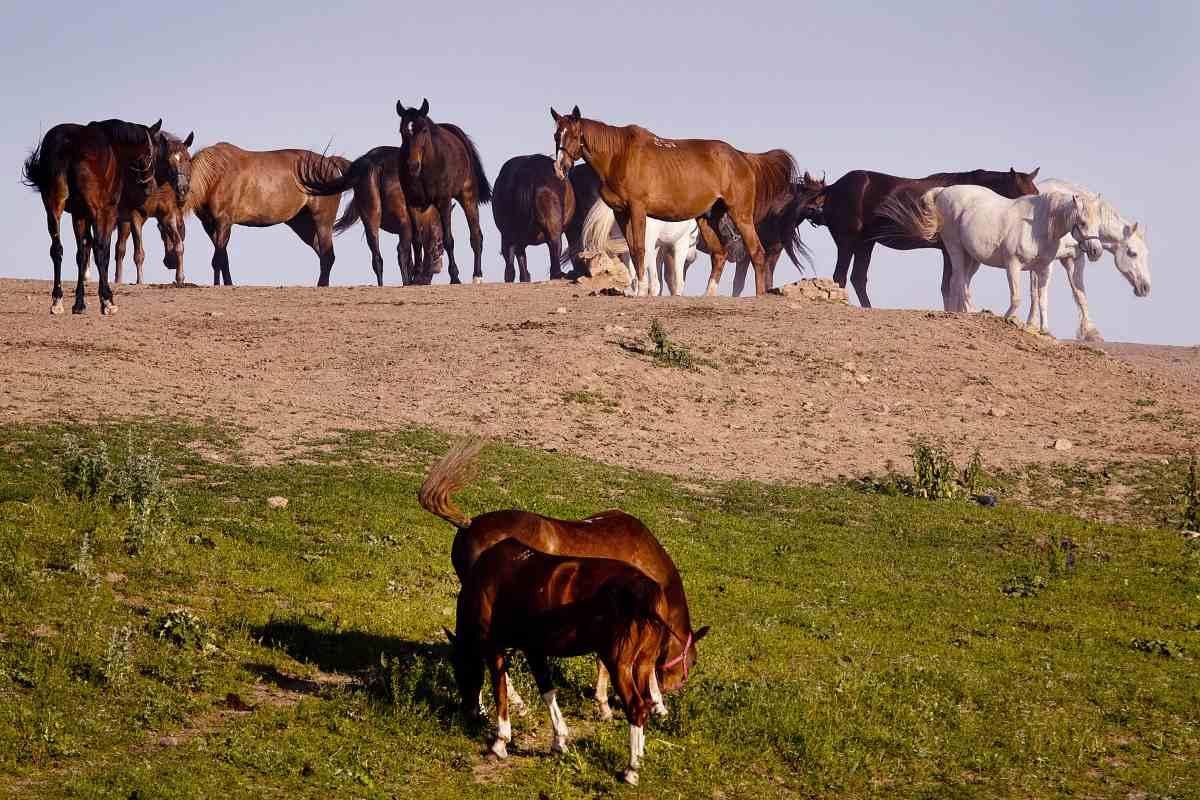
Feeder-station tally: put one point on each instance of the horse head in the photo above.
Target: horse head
(1020, 184)
(1133, 259)
(809, 199)
(675, 670)
(568, 141)
(1086, 225)
(416, 135)
(173, 161)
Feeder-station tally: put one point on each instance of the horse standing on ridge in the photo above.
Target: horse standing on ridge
(441, 165)
(531, 206)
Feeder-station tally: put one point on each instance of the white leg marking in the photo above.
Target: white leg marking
(558, 739)
(602, 706)
(637, 746)
(660, 708)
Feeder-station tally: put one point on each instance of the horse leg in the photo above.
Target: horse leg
(969, 270)
(554, 244)
(758, 256)
(842, 268)
(740, 271)
(54, 209)
(139, 251)
(633, 227)
(102, 230)
(508, 250)
(637, 709)
(858, 277)
(1034, 283)
(601, 693)
(708, 234)
(1043, 297)
(470, 207)
(545, 684)
(675, 258)
(83, 245)
(124, 227)
(499, 675)
(957, 298)
(372, 234)
(1013, 268)
(1074, 268)
(947, 280)
(219, 232)
(448, 240)
(522, 265)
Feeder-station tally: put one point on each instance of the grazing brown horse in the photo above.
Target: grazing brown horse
(610, 534)
(676, 179)
(258, 189)
(379, 201)
(442, 164)
(849, 206)
(585, 183)
(164, 206)
(514, 597)
(98, 172)
(531, 206)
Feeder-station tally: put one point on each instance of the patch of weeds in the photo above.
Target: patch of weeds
(973, 475)
(666, 352)
(85, 471)
(1023, 586)
(184, 629)
(1157, 647)
(1189, 498)
(138, 486)
(586, 397)
(117, 664)
(85, 563)
(935, 476)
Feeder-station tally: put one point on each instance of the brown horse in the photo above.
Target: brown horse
(611, 534)
(98, 172)
(258, 189)
(531, 206)
(585, 183)
(164, 206)
(849, 206)
(676, 179)
(379, 201)
(442, 164)
(549, 606)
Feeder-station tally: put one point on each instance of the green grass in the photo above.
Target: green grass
(863, 644)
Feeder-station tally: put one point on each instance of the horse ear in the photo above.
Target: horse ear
(575, 112)
(424, 106)
(450, 636)
(1131, 230)
(1012, 171)
(188, 141)
(555, 115)
(399, 108)
(155, 127)
(700, 634)
(1035, 172)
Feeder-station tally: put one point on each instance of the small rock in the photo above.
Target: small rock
(986, 500)
(863, 379)
(615, 329)
(168, 741)
(560, 310)
(1191, 536)
(277, 502)
(1063, 444)
(997, 411)
(216, 313)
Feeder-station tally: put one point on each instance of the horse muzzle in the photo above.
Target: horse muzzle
(1141, 288)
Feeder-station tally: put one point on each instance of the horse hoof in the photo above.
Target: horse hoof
(78, 309)
(630, 776)
(499, 749)
(559, 745)
(108, 308)
(605, 712)
(56, 308)
(659, 711)
(477, 280)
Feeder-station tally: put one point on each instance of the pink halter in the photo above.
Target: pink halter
(681, 658)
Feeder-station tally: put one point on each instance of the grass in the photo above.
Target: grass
(863, 644)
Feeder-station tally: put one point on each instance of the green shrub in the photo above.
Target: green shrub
(85, 472)
(935, 476)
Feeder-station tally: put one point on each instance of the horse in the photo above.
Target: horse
(164, 206)
(585, 183)
(643, 175)
(674, 245)
(379, 201)
(97, 172)
(849, 209)
(258, 189)
(977, 226)
(442, 164)
(515, 597)
(1125, 240)
(531, 206)
(610, 534)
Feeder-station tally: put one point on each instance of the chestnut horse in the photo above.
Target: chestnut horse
(850, 203)
(676, 179)
(531, 206)
(514, 597)
(610, 534)
(232, 186)
(442, 164)
(98, 172)
(379, 201)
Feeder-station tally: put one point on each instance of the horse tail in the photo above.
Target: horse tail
(483, 189)
(33, 171)
(916, 215)
(324, 176)
(797, 251)
(597, 235)
(46, 161)
(454, 471)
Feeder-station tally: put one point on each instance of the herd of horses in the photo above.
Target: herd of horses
(654, 202)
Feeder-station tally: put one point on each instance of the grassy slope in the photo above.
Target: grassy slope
(861, 644)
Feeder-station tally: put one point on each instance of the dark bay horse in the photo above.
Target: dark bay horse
(379, 201)
(610, 534)
(258, 189)
(442, 164)
(531, 206)
(164, 206)
(514, 597)
(676, 179)
(99, 172)
(849, 207)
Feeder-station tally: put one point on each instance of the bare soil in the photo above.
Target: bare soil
(783, 390)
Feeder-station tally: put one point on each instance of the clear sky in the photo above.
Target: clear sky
(1100, 93)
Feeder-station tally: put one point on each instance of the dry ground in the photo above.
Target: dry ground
(786, 391)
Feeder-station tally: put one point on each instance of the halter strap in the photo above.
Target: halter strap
(1081, 237)
(681, 658)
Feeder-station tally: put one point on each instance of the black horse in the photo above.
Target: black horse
(531, 206)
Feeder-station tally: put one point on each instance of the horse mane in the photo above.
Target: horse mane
(119, 131)
(208, 165)
(774, 174)
(454, 471)
(482, 186)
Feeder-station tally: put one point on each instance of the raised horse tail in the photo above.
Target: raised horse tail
(596, 236)
(324, 176)
(916, 215)
(483, 188)
(33, 171)
(454, 471)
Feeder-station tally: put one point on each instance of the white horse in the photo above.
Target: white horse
(978, 226)
(674, 243)
(1125, 240)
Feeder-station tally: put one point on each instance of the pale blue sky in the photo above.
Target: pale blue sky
(1100, 93)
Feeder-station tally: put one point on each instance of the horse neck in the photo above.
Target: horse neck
(207, 165)
(1112, 225)
(1062, 214)
(601, 144)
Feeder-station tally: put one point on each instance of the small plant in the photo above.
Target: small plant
(666, 352)
(1190, 500)
(973, 476)
(184, 629)
(138, 485)
(117, 664)
(85, 472)
(1023, 586)
(84, 564)
(1157, 647)
(935, 476)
